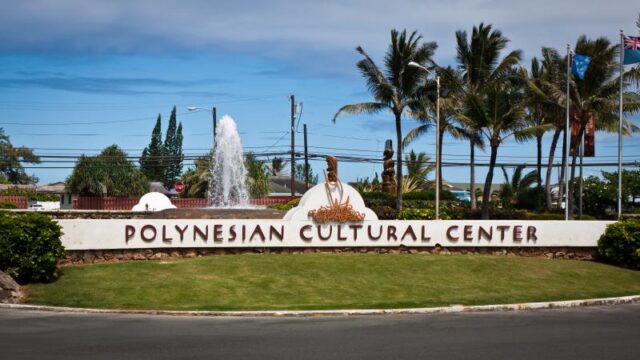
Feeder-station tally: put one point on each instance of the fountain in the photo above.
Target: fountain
(229, 189)
(229, 197)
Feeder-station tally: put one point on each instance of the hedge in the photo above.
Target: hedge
(620, 244)
(30, 247)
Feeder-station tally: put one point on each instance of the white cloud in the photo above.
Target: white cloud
(284, 28)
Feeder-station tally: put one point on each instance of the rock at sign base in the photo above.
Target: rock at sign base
(10, 291)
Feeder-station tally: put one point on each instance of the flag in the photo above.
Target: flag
(579, 65)
(631, 49)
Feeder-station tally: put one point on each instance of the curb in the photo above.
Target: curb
(306, 313)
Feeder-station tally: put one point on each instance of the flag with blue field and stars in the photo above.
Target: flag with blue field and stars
(580, 64)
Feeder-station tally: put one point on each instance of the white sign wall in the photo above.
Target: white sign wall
(85, 234)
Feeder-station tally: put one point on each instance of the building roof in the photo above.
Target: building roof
(282, 185)
(56, 188)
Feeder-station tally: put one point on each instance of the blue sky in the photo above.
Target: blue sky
(77, 76)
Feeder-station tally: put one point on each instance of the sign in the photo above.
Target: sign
(179, 186)
(90, 234)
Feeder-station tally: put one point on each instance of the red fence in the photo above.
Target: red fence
(272, 200)
(181, 203)
(21, 201)
(111, 203)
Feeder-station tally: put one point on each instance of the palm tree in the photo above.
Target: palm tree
(535, 113)
(597, 95)
(515, 187)
(452, 120)
(480, 64)
(545, 93)
(395, 88)
(418, 167)
(277, 166)
(197, 180)
(499, 114)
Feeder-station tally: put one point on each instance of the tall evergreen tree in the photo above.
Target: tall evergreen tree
(151, 163)
(172, 151)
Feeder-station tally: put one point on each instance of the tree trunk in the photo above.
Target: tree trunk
(486, 194)
(575, 149)
(562, 174)
(539, 169)
(552, 151)
(441, 135)
(472, 174)
(398, 161)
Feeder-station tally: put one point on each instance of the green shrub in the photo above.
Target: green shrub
(30, 247)
(496, 214)
(429, 195)
(288, 206)
(30, 194)
(8, 205)
(384, 212)
(449, 210)
(545, 216)
(417, 214)
(620, 244)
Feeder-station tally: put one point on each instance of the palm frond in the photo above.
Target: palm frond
(361, 108)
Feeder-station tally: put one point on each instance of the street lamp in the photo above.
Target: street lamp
(213, 115)
(415, 64)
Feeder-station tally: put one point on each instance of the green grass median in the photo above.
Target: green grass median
(331, 281)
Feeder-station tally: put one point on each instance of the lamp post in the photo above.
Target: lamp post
(213, 115)
(415, 64)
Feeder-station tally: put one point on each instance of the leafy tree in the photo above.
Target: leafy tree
(256, 176)
(11, 159)
(300, 174)
(597, 196)
(151, 163)
(108, 174)
(394, 88)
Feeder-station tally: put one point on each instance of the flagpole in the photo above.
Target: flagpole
(566, 142)
(620, 128)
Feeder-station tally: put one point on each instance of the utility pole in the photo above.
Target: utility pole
(213, 114)
(306, 160)
(293, 146)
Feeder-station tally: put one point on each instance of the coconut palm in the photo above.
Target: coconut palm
(480, 64)
(598, 94)
(499, 114)
(452, 120)
(395, 87)
(197, 179)
(545, 93)
(514, 188)
(277, 166)
(418, 167)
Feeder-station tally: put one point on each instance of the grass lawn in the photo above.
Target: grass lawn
(331, 281)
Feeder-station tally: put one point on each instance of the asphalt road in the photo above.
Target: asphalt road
(608, 332)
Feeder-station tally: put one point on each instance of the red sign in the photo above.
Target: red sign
(179, 186)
